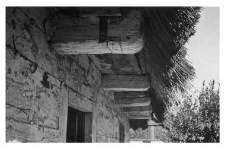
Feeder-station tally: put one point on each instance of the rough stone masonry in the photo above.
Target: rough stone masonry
(40, 84)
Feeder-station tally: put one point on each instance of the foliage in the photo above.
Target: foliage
(195, 119)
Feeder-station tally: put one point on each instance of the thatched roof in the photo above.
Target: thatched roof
(165, 32)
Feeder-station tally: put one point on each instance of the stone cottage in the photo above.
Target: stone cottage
(76, 74)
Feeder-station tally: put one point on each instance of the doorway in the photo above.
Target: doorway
(79, 126)
(121, 133)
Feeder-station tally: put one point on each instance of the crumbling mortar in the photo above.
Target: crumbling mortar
(23, 56)
(36, 65)
(31, 122)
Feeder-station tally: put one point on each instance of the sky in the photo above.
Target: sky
(203, 47)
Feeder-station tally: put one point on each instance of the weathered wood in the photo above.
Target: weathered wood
(132, 102)
(76, 35)
(119, 63)
(99, 11)
(148, 113)
(125, 82)
(134, 94)
(90, 11)
(137, 112)
(138, 115)
(137, 109)
(141, 60)
(142, 112)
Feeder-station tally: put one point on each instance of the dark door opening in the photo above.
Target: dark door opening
(79, 126)
(121, 132)
(75, 125)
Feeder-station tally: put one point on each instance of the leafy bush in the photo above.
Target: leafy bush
(195, 118)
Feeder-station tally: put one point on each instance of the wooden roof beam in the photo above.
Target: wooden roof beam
(138, 115)
(134, 94)
(98, 11)
(125, 82)
(138, 112)
(132, 102)
(97, 35)
(137, 109)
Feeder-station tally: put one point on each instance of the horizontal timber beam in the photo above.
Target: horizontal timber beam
(137, 112)
(134, 94)
(137, 109)
(132, 102)
(138, 116)
(148, 113)
(125, 82)
(80, 35)
(98, 11)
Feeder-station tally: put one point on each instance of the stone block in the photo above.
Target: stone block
(26, 48)
(84, 61)
(86, 91)
(79, 102)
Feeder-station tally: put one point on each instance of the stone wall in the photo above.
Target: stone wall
(40, 84)
(107, 119)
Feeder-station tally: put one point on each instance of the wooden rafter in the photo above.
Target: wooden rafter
(125, 82)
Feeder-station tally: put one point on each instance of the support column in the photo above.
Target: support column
(151, 133)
